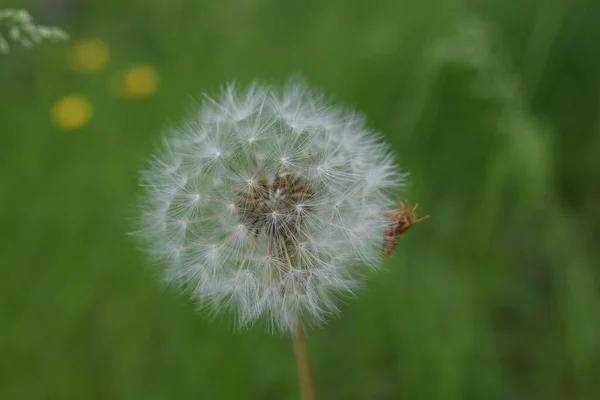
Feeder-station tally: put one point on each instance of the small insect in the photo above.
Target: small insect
(399, 222)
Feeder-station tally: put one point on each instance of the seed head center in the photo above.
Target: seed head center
(272, 207)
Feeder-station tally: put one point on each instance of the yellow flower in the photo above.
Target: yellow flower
(89, 56)
(136, 82)
(71, 112)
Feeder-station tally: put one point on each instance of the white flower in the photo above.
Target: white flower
(21, 29)
(269, 203)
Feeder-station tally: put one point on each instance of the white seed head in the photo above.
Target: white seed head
(269, 203)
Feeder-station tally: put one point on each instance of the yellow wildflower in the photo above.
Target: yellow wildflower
(89, 56)
(136, 82)
(71, 112)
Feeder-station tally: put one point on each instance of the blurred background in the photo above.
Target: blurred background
(493, 107)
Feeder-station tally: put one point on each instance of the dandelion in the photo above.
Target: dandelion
(136, 82)
(89, 56)
(271, 204)
(71, 112)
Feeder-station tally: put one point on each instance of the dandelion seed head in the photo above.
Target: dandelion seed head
(269, 203)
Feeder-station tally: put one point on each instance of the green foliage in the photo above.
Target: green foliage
(493, 108)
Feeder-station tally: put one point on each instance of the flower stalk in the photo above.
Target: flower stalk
(305, 383)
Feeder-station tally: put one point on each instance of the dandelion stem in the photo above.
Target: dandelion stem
(304, 379)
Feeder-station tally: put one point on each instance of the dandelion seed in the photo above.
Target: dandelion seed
(269, 204)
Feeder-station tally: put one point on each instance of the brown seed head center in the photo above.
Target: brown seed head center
(275, 207)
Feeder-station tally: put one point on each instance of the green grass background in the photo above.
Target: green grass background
(493, 106)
